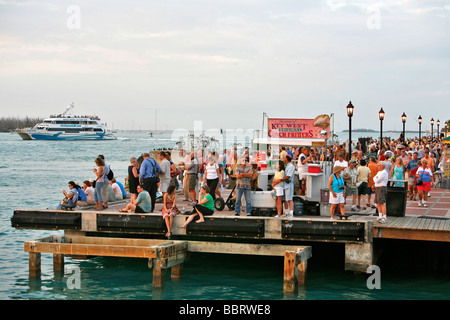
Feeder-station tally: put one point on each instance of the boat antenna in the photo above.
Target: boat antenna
(68, 108)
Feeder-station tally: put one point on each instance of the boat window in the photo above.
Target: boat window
(66, 130)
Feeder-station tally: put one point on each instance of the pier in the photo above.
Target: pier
(89, 233)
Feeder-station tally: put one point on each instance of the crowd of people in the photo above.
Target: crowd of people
(99, 191)
(415, 164)
(200, 178)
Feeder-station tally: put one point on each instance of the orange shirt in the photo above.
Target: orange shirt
(373, 172)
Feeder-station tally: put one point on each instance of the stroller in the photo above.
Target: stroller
(219, 203)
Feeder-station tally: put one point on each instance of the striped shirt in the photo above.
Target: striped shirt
(425, 174)
(243, 183)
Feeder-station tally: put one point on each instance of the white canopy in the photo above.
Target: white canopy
(291, 142)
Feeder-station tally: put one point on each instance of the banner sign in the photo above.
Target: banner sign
(298, 128)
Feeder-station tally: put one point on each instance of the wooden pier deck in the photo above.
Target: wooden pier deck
(414, 228)
(111, 231)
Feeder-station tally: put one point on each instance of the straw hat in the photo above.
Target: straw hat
(337, 169)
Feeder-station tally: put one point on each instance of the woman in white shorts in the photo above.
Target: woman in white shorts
(336, 187)
(278, 187)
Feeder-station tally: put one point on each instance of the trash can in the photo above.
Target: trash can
(396, 196)
(325, 195)
(299, 205)
(325, 202)
(444, 183)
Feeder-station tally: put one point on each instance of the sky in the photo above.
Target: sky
(226, 62)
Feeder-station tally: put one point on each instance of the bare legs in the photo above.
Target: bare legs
(192, 216)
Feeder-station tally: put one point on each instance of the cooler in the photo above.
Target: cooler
(314, 168)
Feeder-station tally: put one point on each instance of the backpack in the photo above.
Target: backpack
(110, 174)
(155, 171)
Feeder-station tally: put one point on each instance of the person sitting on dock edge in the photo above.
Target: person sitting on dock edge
(89, 192)
(70, 198)
(204, 206)
(143, 203)
(116, 188)
(169, 208)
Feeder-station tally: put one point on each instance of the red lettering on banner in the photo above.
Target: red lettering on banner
(294, 129)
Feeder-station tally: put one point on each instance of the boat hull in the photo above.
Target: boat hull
(61, 136)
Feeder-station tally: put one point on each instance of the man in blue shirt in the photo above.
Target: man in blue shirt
(148, 177)
(289, 173)
(412, 164)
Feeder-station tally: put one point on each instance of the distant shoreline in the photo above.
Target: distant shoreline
(389, 131)
(8, 124)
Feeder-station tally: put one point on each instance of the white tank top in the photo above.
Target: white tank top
(211, 171)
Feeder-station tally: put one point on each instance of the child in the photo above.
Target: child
(277, 185)
(169, 209)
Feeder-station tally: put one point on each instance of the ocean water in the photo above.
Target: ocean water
(33, 175)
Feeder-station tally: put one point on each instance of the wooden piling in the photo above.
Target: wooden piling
(290, 270)
(168, 255)
(34, 265)
(295, 265)
(177, 271)
(58, 263)
(301, 277)
(159, 274)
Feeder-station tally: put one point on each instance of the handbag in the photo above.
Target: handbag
(419, 181)
(155, 173)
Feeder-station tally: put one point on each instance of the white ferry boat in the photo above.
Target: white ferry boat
(67, 127)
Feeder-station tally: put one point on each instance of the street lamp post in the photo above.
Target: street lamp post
(438, 132)
(350, 108)
(404, 122)
(432, 123)
(381, 116)
(420, 128)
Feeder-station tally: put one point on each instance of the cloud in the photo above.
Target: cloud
(240, 55)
